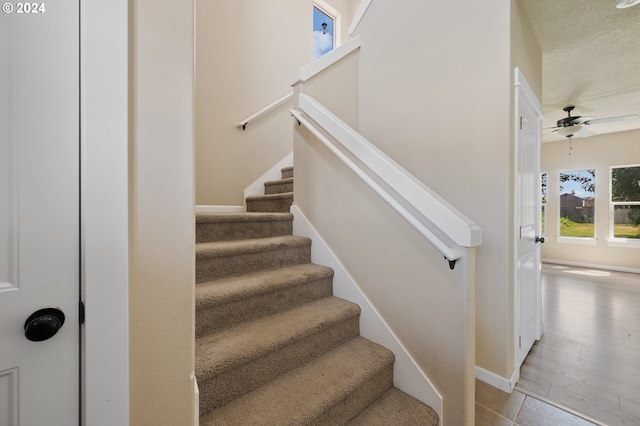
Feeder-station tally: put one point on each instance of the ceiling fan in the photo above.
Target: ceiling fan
(571, 126)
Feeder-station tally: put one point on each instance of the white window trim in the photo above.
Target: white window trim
(623, 242)
(613, 241)
(337, 20)
(587, 241)
(591, 241)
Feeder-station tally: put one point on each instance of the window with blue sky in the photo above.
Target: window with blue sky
(323, 33)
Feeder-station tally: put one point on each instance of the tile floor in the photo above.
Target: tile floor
(497, 408)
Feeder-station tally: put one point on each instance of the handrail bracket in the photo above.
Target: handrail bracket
(452, 263)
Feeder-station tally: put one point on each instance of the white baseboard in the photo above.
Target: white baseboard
(592, 265)
(257, 187)
(407, 376)
(497, 381)
(196, 401)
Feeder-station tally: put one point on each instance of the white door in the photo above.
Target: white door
(528, 290)
(39, 213)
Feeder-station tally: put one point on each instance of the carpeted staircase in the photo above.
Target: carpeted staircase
(273, 346)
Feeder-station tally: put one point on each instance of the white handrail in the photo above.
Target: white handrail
(266, 110)
(449, 253)
(359, 15)
(453, 223)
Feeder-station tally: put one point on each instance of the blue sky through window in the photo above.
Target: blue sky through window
(322, 38)
(570, 185)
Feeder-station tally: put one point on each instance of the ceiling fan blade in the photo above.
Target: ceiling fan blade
(555, 130)
(612, 119)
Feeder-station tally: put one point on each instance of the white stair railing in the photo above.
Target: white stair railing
(266, 110)
(406, 190)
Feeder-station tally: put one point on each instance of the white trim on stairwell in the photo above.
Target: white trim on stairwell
(274, 173)
(196, 401)
(497, 381)
(362, 10)
(407, 376)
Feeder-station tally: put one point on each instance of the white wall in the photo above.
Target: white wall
(161, 215)
(599, 153)
(247, 52)
(435, 95)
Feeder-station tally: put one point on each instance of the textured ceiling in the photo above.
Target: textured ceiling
(590, 59)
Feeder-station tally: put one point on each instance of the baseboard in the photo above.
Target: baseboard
(497, 381)
(592, 265)
(196, 401)
(220, 209)
(407, 376)
(257, 187)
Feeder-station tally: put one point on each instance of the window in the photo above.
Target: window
(624, 209)
(323, 32)
(543, 204)
(577, 203)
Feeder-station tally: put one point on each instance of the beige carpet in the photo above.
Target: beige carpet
(273, 345)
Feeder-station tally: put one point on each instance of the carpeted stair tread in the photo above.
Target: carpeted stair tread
(396, 408)
(247, 225)
(278, 186)
(228, 301)
(255, 245)
(270, 203)
(239, 359)
(223, 217)
(238, 345)
(222, 259)
(330, 389)
(286, 172)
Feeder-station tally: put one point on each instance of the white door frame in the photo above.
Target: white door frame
(522, 88)
(104, 211)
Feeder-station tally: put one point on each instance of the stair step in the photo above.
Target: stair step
(223, 259)
(278, 186)
(396, 408)
(287, 172)
(330, 389)
(225, 303)
(240, 359)
(235, 226)
(270, 203)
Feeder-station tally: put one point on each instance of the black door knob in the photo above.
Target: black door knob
(540, 240)
(43, 324)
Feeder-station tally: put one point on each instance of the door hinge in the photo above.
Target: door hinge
(81, 312)
(519, 342)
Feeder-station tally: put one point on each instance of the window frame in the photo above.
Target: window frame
(569, 239)
(330, 11)
(613, 240)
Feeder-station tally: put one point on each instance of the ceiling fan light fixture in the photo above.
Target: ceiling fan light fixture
(569, 131)
(623, 4)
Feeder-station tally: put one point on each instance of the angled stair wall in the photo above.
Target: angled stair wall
(273, 345)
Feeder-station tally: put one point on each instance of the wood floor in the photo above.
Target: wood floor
(588, 359)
